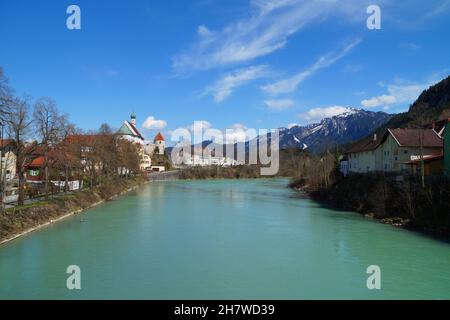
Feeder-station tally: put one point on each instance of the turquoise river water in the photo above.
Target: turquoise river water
(247, 239)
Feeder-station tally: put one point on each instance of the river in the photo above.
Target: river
(247, 239)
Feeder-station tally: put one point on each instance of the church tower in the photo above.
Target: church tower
(160, 143)
(133, 119)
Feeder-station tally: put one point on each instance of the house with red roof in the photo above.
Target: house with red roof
(395, 151)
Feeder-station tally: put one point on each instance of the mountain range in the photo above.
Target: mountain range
(354, 124)
(341, 129)
(344, 128)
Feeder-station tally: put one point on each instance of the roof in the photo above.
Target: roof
(412, 138)
(128, 129)
(403, 137)
(125, 130)
(6, 142)
(87, 139)
(427, 158)
(37, 162)
(367, 144)
(136, 131)
(159, 137)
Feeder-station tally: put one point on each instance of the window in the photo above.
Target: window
(396, 158)
(33, 173)
(406, 151)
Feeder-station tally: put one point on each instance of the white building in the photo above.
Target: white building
(129, 131)
(7, 160)
(147, 149)
(391, 151)
(208, 160)
(157, 147)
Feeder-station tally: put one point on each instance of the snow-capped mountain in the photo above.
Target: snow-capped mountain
(344, 128)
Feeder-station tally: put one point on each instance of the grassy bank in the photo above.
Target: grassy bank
(406, 204)
(21, 220)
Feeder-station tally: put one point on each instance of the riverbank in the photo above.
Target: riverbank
(406, 205)
(17, 222)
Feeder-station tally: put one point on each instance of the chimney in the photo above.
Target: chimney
(375, 137)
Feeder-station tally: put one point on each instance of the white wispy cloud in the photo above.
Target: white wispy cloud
(268, 25)
(317, 114)
(280, 104)
(438, 9)
(401, 92)
(266, 29)
(383, 100)
(152, 124)
(407, 93)
(290, 84)
(224, 87)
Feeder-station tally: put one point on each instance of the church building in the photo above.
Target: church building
(129, 131)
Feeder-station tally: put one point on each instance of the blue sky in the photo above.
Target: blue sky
(241, 63)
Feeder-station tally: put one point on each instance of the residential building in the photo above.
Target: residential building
(361, 155)
(158, 168)
(146, 162)
(344, 165)
(399, 146)
(433, 165)
(8, 160)
(393, 151)
(35, 176)
(34, 170)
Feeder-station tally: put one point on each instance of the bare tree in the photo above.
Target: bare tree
(4, 97)
(48, 123)
(66, 156)
(19, 124)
